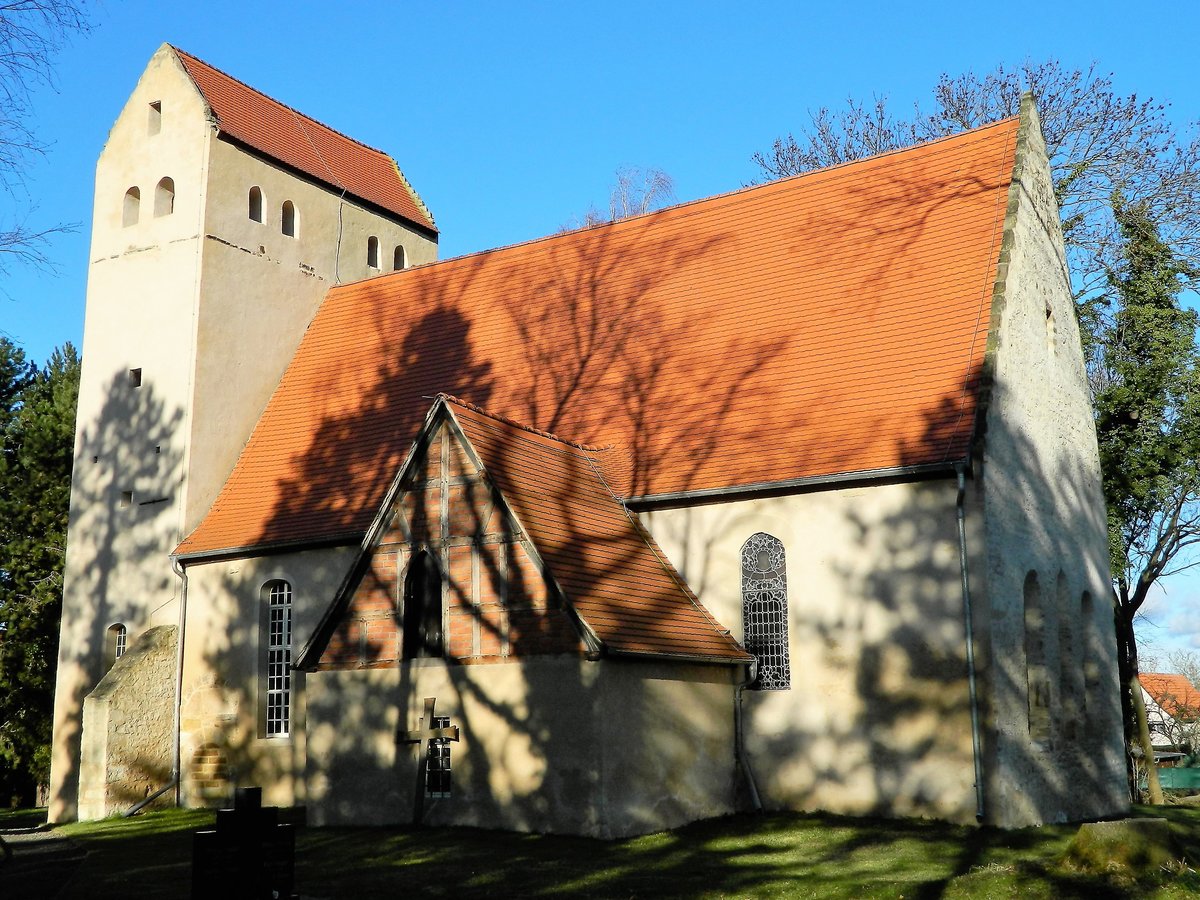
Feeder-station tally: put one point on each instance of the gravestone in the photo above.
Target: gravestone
(249, 854)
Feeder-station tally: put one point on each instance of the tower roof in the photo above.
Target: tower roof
(823, 326)
(302, 143)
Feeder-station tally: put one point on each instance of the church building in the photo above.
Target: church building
(787, 498)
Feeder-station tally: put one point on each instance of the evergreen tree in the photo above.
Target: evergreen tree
(37, 425)
(1148, 425)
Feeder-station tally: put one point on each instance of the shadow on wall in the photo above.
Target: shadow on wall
(892, 667)
(125, 498)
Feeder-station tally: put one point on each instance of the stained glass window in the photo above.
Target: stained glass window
(764, 610)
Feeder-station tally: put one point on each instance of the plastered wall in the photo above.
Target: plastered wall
(224, 659)
(877, 718)
(565, 745)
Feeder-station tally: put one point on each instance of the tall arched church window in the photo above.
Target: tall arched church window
(764, 610)
(277, 664)
(129, 212)
(255, 202)
(421, 615)
(164, 197)
(373, 252)
(289, 218)
(399, 259)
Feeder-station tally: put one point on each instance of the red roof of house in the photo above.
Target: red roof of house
(1174, 694)
(830, 323)
(608, 567)
(302, 143)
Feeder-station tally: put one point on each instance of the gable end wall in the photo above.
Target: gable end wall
(496, 605)
(1044, 520)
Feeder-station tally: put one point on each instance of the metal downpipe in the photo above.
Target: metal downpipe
(969, 626)
(176, 769)
(739, 740)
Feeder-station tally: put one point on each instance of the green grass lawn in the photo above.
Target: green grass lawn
(777, 855)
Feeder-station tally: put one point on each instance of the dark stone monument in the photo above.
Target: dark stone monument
(249, 855)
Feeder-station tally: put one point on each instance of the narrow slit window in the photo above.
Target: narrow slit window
(373, 252)
(154, 120)
(126, 499)
(765, 610)
(164, 197)
(289, 218)
(399, 259)
(135, 378)
(279, 659)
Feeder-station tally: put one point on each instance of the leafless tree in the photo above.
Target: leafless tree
(1098, 141)
(31, 34)
(636, 191)
(1187, 664)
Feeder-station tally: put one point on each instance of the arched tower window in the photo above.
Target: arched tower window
(1070, 674)
(133, 202)
(1088, 660)
(289, 218)
(256, 204)
(373, 252)
(164, 197)
(421, 615)
(115, 644)
(277, 663)
(399, 259)
(1036, 676)
(764, 610)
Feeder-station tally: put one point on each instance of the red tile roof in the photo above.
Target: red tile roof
(302, 143)
(608, 567)
(1174, 694)
(829, 323)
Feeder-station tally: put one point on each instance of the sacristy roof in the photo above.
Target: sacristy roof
(607, 567)
(304, 144)
(830, 323)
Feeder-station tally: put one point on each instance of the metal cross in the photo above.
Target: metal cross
(423, 734)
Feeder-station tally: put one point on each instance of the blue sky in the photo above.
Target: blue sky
(510, 119)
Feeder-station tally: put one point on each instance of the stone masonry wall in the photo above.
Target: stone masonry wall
(127, 723)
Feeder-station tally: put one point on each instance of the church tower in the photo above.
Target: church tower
(221, 218)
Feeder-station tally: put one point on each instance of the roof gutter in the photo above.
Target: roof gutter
(340, 539)
(814, 482)
(681, 657)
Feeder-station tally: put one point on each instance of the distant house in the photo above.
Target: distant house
(789, 496)
(1173, 713)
